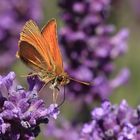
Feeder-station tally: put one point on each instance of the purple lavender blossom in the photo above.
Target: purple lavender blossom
(22, 111)
(108, 122)
(112, 122)
(13, 15)
(91, 46)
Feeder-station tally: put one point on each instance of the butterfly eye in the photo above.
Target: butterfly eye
(59, 79)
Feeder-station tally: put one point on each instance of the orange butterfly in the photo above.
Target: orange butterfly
(39, 50)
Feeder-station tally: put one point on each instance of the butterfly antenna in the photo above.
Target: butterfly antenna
(64, 97)
(82, 82)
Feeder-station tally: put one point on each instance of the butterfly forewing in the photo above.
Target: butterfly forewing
(49, 33)
(33, 50)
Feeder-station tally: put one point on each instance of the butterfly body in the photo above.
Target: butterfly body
(55, 80)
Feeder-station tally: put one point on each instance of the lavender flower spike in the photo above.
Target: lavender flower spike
(91, 46)
(21, 112)
(13, 15)
(113, 122)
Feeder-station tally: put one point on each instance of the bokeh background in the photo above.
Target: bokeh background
(124, 13)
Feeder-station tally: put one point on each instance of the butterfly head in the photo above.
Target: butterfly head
(60, 80)
(63, 79)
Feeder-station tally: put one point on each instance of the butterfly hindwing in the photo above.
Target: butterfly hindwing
(32, 61)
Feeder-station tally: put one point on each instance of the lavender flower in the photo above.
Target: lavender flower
(21, 112)
(91, 46)
(13, 15)
(108, 122)
(113, 122)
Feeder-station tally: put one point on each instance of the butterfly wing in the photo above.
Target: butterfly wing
(25, 54)
(33, 51)
(50, 35)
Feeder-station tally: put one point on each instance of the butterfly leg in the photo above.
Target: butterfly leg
(32, 74)
(55, 94)
(29, 75)
(42, 88)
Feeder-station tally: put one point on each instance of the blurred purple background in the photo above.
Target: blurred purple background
(99, 41)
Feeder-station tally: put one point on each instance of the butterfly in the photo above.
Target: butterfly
(39, 50)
